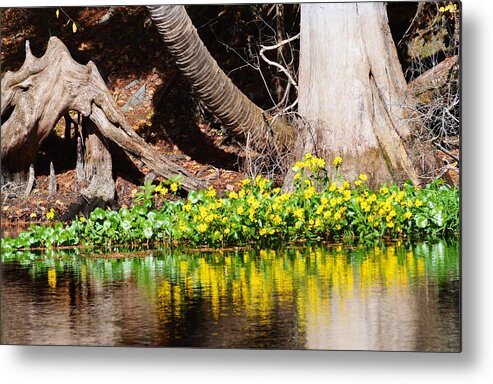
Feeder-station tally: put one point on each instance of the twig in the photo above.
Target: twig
(436, 144)
(275, 64)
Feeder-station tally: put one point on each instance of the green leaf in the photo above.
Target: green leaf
(421, 221)
(126, 225)
(147, 232)
(97, 214)
(437, 215)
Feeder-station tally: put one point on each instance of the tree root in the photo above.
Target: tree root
(43, 91)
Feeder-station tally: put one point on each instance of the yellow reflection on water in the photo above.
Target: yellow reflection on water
(52, 278)
(338, 297)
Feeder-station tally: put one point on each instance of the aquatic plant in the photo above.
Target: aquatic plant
(320, 208)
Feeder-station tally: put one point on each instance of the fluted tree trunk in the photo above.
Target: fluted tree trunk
(215, 89)
(352, 91)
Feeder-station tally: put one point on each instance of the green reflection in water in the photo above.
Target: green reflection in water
(317, 286)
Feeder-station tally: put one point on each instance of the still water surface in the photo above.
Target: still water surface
(396, 297)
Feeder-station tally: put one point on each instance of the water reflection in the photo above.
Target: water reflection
(391, 298)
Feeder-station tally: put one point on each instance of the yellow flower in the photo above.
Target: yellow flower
(297, 176)
(390, 224)
(251, 213)
(299, 213)
(309, 193)
(162, 190)
(320, 162)
(50, 214)
(276, 220)
(183, 227)
(263, 231)
(233, 195)
(333, 187)
(211, 192)
(241, 193)
(209, 218)
(308, 156)
(363, 177)
(357, 183)
(298, 166)
(245, 182)
(338, 226)
(347, 195)
(284, 197)
(158, 189)
(174, 187)
(337, 161)
(202, 227)
(408, 214)
(82, 219)
(187, 207)
(418, 203)
(240, 210)
(226, 231)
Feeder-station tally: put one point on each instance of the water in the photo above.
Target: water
(397, 297)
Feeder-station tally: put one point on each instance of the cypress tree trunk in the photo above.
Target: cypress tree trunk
(352, 91)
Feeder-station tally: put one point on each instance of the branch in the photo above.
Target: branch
(436, 144)
(275, 64)
(433, 78)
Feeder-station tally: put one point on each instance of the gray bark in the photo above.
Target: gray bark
(352, 91)
(52, 181)
(30, 182)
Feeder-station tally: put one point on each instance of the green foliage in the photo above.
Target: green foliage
(319, 208)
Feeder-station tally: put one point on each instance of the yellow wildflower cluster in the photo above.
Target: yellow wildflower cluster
(319, 208)
(450, 7)
(161, 190)
(310, 162)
